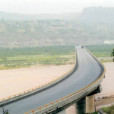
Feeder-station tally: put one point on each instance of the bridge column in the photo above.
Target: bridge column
(85, 105)
(90, 104)
(90, 108)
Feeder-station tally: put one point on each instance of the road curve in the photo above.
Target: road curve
(88, 70)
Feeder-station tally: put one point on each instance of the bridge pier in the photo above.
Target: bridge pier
(90, 104)
(85, 105)
(90, 108)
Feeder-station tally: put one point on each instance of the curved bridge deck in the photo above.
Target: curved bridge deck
(87, 71)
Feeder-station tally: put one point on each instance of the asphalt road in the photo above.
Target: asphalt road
(88, 70)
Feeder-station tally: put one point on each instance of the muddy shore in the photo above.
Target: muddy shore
(18, 80)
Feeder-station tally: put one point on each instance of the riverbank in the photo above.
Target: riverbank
(14, 81)
(108, 82)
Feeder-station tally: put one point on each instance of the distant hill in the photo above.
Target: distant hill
(90, 14)
(94, 25)
(98, 14)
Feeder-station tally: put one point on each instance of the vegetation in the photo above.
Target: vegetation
(93, 25)
(16, 34)
(101, 50)
(23, 57)
(47, 55)
(113, 54)
(109, 110)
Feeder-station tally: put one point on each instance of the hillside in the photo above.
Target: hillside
(98, 14)
(92, 26)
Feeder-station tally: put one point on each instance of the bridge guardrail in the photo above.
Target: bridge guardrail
(36, 89)
(76, 95)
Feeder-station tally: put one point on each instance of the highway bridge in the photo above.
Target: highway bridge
(85, 78)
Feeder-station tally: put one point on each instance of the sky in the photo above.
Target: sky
(50, 6)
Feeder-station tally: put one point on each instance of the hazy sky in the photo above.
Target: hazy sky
(50, 6)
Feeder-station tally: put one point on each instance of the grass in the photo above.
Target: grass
(101, 50)
(108, 110)
(24, 61)
(25, 57)
(105, 59)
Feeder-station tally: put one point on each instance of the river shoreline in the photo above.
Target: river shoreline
(15, 81)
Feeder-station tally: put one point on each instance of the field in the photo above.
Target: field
(48, 55)
(101, 50)
(24, 57)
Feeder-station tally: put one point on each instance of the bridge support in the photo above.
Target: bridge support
(90, 104)
(90, 100)
(85, 105)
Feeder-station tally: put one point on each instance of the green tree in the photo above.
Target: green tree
(112, 54)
